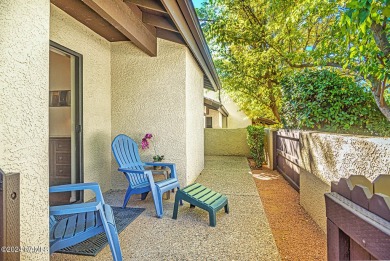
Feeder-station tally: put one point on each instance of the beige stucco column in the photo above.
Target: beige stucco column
(24, 89)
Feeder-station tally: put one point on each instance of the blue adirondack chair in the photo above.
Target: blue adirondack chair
(141, 181)
(85, 220)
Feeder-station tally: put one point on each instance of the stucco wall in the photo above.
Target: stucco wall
(227, 142)
(328, 157)
(237, 118)
(194, 119)
(24, 122)
(216, 118)
(148, 96)
(96, 53)
(311, 193)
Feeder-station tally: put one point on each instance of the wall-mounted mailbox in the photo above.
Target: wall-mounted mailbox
(9, 216)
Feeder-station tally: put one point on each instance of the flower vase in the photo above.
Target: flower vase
(157, 167)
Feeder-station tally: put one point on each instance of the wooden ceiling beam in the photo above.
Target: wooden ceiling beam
(148, 4)
(159, 21)
(125, 20)
(170, 36)
(82, 13)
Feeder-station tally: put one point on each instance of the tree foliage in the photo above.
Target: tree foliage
(323, 99)
(257, 42)
(365, 31)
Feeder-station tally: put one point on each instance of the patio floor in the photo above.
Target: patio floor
(243, 234)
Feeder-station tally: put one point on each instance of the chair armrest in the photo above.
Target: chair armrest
(72, 187)
(161, 164)
(75, 208)
(136, 171)
(79, 186)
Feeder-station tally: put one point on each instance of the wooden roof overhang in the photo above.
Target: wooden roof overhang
(265, 121)
(214, 105)
(142, 22)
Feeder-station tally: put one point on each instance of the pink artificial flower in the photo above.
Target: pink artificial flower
(148, 136)
(145, 144)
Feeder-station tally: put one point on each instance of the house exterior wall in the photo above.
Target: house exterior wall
(148, 96)
(194, 119)
(24, 117)
(236, 119)
(96, 52)
(217, 118)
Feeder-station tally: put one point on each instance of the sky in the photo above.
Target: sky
(197, 3)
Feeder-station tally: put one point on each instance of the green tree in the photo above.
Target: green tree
(365, 32)
(256, 42)
(252, 81)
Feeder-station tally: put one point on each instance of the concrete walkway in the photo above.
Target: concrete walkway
(244, 234)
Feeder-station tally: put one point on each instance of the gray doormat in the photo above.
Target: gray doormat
(93, 245)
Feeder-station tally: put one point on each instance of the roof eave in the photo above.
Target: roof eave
(184, 16)
(214, 105)
(223, 111)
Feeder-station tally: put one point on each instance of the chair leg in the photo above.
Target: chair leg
(127, 197)
(181, 201)
(176, 207)
(156, 201)
(115, 239)
(160, 194)
(227, 208)
(212, 218)
(157, 197)
(112, 238)
(144, 195)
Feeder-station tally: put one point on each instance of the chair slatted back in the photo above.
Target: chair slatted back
(126, 154)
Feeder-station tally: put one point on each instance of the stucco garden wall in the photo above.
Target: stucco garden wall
(328, 157)
(226, 142)
(96, 52)
(24, 122)
(149, 96)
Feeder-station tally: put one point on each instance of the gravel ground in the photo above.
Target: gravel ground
(296, 235)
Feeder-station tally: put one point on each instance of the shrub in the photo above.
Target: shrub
(325, 100)
(255, 138)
